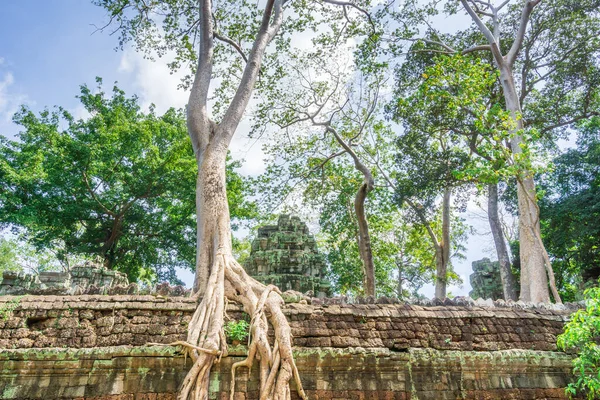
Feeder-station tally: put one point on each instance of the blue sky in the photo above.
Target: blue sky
(49, 48)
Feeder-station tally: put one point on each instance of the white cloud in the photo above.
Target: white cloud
(80, 112)
(5, 83)
(153, 81)
(10, 99)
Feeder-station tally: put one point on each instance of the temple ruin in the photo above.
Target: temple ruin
(286, 255)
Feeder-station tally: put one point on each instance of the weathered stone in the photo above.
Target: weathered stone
(89, 277)
(122, 320)
(155, 373)
(485, 280)
(286, 255)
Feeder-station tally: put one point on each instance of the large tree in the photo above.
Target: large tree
(226, 46)
(326, 114)
(456, 100)
(117, 185)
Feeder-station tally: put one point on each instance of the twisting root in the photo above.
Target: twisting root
(186, 344)
(206, 343)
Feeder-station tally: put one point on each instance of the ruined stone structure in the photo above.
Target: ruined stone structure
(80, 347)
(84, 278)
(286, 255)
(485, 280)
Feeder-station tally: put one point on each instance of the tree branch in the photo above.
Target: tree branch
(476, 48)
(350, 4)
(514, 50)
(230, 42)
(198, 121)
(418, 208)
(486, 32)
(91, 192)
(240, 100)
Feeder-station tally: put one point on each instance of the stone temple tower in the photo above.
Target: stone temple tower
(286, 255)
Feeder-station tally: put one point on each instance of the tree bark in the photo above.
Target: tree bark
(399, 290)
(534, 280)
(506, 276)
(442, 251)
(218, 274)
(212, 212)
(364, 239)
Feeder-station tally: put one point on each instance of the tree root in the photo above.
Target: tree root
(205, 343)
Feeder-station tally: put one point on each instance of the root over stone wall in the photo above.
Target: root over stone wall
(93, 347)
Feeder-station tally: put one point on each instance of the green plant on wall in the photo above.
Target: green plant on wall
(582, 334)
(7, 309)
(237, 331)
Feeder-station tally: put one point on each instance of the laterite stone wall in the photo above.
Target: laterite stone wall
(98, 321)
(94, 347)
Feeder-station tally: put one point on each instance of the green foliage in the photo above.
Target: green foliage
(570, 212)
(8, 308)
(237, 330)
(456, 111)
(118, 185)
(582, 334)
(8, 256)
(415, 257)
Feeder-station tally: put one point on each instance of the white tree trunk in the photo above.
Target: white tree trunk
(534, 280)
(212, 210)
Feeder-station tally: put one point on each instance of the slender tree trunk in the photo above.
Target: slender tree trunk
(506, 276)
(442, 252)
(534, 280)
(364, 240)
(399, 286)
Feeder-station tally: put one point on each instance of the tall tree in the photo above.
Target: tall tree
(226, 45)
(534, 280)
(429, 153)
(425, 168)
(332, 114)
(456, 98)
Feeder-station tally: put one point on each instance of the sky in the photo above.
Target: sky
(49, 48)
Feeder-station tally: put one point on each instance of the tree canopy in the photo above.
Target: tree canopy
(570, 211)
(117, 185)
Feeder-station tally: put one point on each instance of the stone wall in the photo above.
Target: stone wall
(88, 278)
(95, 321)
(154, 373)
(92, 347)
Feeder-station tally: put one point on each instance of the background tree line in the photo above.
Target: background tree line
(385, 140)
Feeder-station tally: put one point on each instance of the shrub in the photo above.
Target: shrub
(237, 330)
(582, 334)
